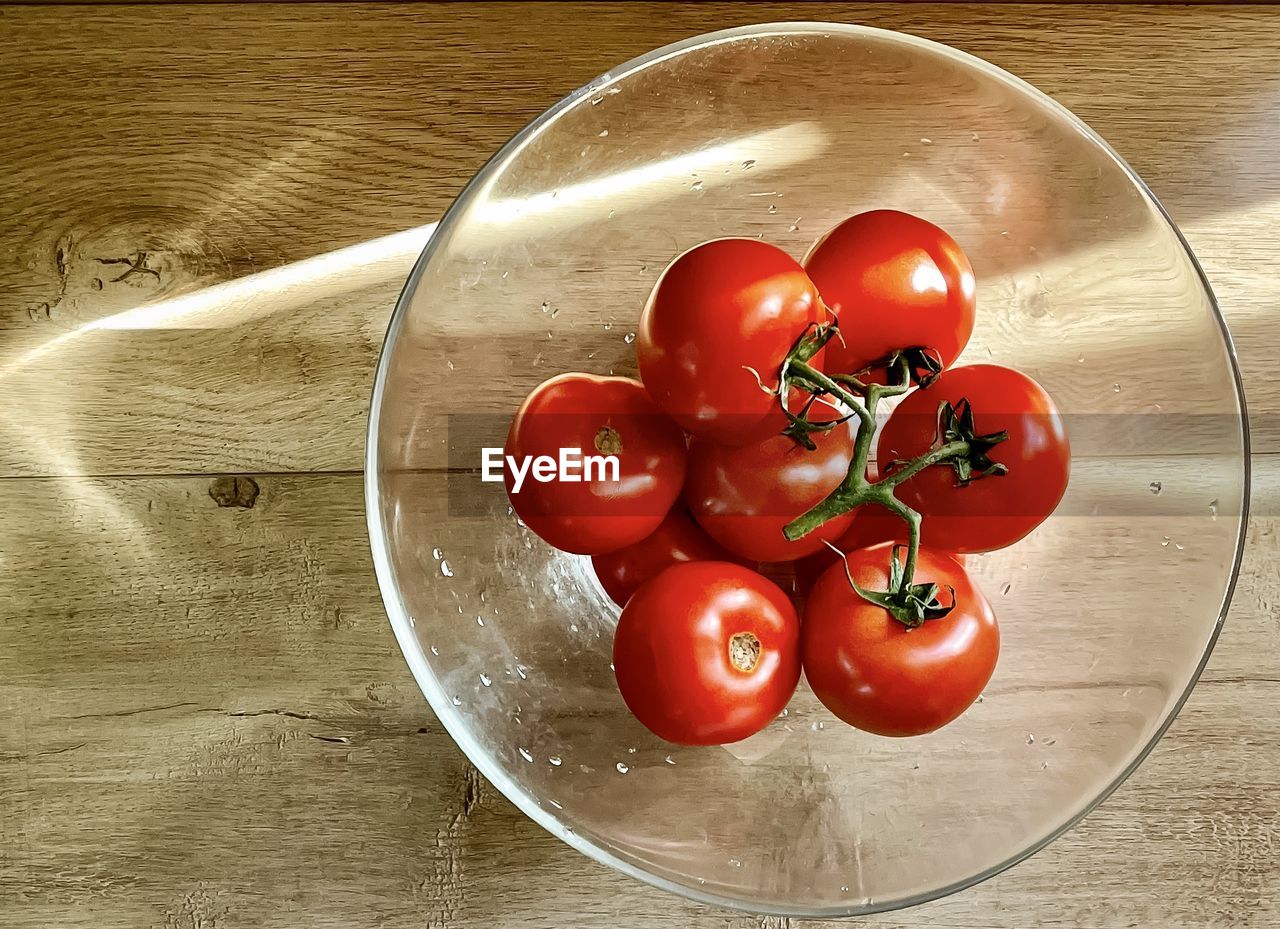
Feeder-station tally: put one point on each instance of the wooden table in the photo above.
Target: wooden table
(204, 719)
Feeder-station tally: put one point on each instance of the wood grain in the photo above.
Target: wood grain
(207, 722)
(223, 157)
(279, 765)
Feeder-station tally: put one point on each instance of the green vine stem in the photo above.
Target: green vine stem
(959, 446)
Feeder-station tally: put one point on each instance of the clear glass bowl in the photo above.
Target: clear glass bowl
(1108, 611)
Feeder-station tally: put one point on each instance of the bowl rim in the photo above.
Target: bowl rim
(402, 625)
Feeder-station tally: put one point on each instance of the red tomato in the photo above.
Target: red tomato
(744, 496)
(676, 540)
(599, 416)
(994, 511)
(720, 312)
(877, 674)
(707, 652)
(894, 281)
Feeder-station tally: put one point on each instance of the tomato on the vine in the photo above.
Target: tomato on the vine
(590, 513)
(993, 511)
(676, 540)
(707, 653)
(894, 281)
(877, 674)
(744, 496)
(715, 332)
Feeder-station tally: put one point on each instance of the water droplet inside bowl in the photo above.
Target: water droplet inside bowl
(603, 134)
(524, 753)
(555, 760)
(437, 554)
(924, 141)
(457, 701)
(522, 673)
(434, 650)
(773, 208)
(479, 620)
(734, 862)
(629, 337)
(445, 569)
(608, 326)
(1115, 388)
(749, 164)
(1004, 591)
(1031, 740)
(1164, 542)
(1213, 508)
(669, 760)
(485, 679)
(622, 769)
(1155, 487)
(631, 750)
(544, 306)
(556, 805)
(696, 185)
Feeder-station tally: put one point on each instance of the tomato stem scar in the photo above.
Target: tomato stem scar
(744, 651)
(607, 441)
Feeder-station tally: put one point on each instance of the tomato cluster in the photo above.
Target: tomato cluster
(751, 439)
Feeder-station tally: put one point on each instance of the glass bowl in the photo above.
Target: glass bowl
(1108, 611)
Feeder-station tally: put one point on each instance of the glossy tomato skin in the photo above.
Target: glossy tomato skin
(894, 281)
(991, 512)
(673, 653)
(744, 496)
(872, 524)
(719, 311)
(677, 539)
(875, 673)
(599, 416)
